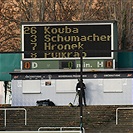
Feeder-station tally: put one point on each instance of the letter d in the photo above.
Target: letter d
(34, 65)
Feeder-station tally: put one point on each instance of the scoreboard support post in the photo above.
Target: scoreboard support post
(81, 93)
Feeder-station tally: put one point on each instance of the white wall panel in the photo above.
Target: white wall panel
(111, 85)
(31, 86)
(66, 85)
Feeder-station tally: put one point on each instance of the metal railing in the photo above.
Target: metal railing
(40, 131)
(121, 108)
(61, 128)
(5, 110)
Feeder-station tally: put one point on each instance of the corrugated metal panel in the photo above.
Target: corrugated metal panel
(8, 62)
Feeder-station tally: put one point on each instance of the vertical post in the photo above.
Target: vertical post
(81, 93)
(5, 118)
(25, 116)
(117, 116)
(6, 87)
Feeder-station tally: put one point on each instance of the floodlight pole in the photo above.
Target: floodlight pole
(81, 92)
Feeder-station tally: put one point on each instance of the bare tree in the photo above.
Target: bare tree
(13, 12)
(9, 26)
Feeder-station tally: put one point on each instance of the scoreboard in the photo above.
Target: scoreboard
(65, 41)
(68, 64)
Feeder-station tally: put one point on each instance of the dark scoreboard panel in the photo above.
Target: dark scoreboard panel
(66, 40)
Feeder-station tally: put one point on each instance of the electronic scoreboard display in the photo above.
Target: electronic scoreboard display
(99, 64)
(59, 45)
(66, 40)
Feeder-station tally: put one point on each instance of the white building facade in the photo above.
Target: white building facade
(102, 88)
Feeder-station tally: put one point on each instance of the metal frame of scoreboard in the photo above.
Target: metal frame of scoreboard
(59, 44)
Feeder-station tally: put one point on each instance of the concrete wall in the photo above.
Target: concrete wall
(117, 91)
